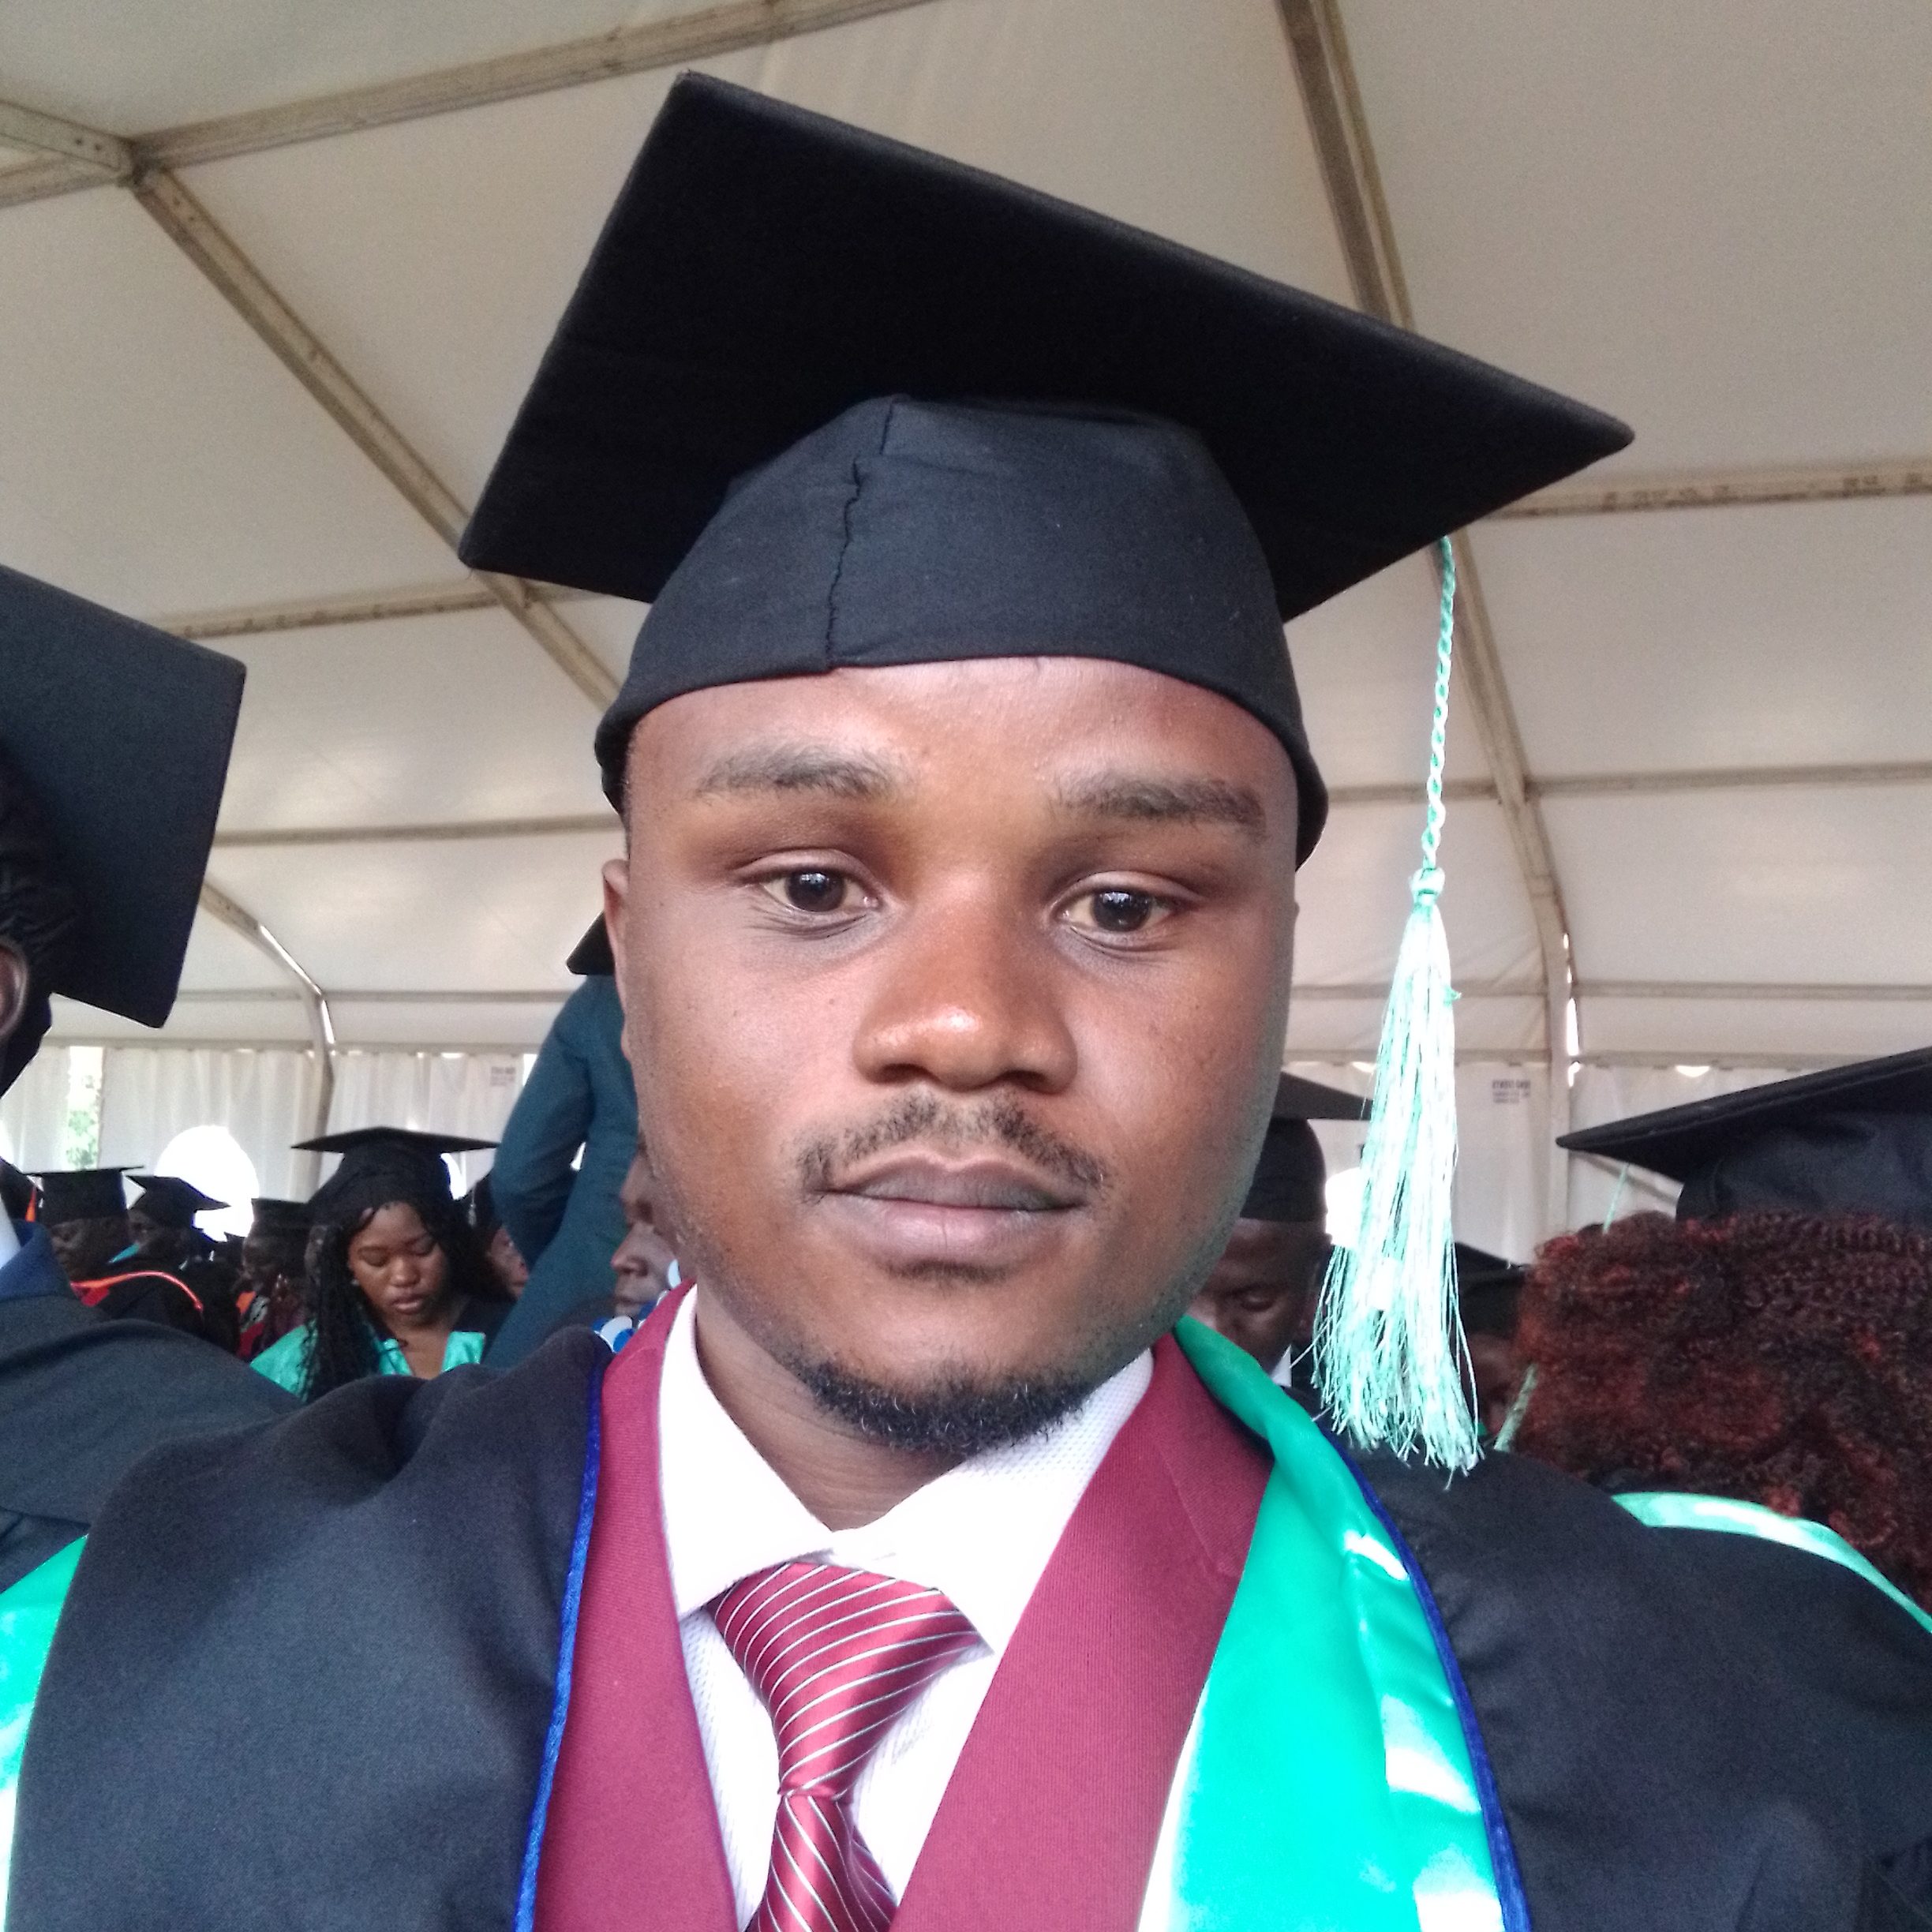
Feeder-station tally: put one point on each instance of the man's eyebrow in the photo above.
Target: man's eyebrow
(1166, 801)
(801, 768)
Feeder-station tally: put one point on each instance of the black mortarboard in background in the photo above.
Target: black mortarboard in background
(17, 1192)
(81, 1194)
(171, 1202)
(121, 734)
(1849, 1140)
(1290, 1179)
(279, 1217)
(803, 359)
(384, 1164)
(591, 957)
(1488, 1290)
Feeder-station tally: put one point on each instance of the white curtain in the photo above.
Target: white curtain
(33, 1112)
(266, 1099)
(453, 1093)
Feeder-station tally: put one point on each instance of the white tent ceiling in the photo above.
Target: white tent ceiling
(260, 340)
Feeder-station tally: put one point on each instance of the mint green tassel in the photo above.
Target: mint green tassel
(1389, 1355)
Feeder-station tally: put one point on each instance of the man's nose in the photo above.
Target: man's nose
(968, 996)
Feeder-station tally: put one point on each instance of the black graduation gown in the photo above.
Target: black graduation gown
(83, 1398)
(359, 1610)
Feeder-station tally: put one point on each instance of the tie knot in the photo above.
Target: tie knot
(836, 1655)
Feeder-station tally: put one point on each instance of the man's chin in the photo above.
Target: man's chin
(953, 1417)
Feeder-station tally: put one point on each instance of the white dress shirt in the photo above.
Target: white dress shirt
(983, 1533)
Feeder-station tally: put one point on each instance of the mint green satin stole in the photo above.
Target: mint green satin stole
(1326, 1785)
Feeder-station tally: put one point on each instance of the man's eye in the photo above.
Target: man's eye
(813, 891)
(1115, 909)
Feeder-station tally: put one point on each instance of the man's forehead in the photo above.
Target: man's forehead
(1091, 735)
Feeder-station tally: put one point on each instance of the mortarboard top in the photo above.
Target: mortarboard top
(1296, 1098)
(279, 1217)
(171, 1201)
(591, 957)
(17, 1192)
(384, 1164)
(1291, 1178)
(1849, 1140)
(81, 1194)
(1000, 424)
(1488, 1290)
(121, 734)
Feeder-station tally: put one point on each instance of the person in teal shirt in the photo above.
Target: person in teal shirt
(398, 1285)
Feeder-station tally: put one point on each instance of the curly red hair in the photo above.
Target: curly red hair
(1780, 1359)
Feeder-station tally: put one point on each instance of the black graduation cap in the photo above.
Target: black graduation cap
(803, 358)
(592, 956)
(1850, 1140)
(81, 1194)
(1290, 1179)
(17, 1192)
(1488, 1290)
(384, 1164)
(121, 734)
(273, 1216)
(171, 1201)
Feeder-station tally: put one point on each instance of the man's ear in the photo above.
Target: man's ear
(14, 988)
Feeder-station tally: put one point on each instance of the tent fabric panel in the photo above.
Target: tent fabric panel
(157, 458)
(1365, 663)
(138, 68)
(1670, 210)
(1785, 885)
(1695, 1031)
(461, 915)
(410, 721)
(1788, 634)
(1354, 896)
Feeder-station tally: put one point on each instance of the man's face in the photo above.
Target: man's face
(954, 994)
(156, 1241)
(1263, 1291)
(85, 1249)
(642, 1263)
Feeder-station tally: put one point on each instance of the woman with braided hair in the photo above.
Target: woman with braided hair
(1760, 1367)
(399, 1284)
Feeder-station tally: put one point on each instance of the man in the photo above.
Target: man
(1263, 1291)
(561, 1161)
(92, 1232)
(100, 865)
(167, 1233)
(274, 1262)
(909, 1564)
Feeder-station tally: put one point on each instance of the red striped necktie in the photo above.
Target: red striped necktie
(836, 1655)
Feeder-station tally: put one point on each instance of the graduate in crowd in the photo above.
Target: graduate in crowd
(274, 1269)
(499, 1246)
(1489, 1305)
(1752, 1375)
(913, 1567)
(1263, 1291)
(100, 866)
(398, 1284)
(578, 1106)
(163, 1225)
(88, 1226)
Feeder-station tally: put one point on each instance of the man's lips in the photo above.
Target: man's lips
(993, 1186)
(917, 1212)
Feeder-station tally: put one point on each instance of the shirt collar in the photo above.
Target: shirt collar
(983, 1533)
(33, 1271)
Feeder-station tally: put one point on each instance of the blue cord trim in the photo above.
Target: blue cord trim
(566, 1646)
(1509, 1894)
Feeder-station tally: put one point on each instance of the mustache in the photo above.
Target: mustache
(1001, 1122)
